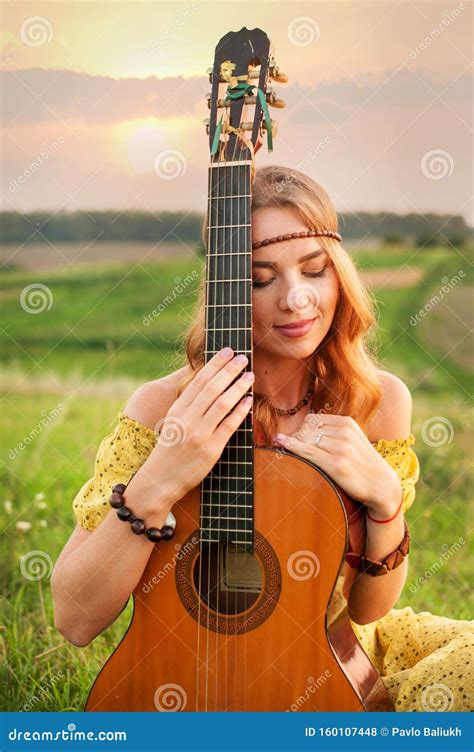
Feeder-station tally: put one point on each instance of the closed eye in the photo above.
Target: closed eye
(307, 274)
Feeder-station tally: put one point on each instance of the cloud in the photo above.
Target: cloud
(336, 101)
(39, 95)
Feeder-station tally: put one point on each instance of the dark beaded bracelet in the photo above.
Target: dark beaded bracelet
(154, 534)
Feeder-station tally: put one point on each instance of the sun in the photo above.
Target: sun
(144, 141)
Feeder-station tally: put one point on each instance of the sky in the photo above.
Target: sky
(103, 102)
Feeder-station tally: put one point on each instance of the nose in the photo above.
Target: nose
(300, 297)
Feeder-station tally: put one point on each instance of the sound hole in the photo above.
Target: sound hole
(228, 578)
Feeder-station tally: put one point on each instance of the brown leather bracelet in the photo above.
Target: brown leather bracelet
(376, 567)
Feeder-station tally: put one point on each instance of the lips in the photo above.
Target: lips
(295, 325)
(296, 329)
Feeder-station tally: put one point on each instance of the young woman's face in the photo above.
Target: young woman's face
(293, 290)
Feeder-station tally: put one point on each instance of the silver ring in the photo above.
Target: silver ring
(317, 439)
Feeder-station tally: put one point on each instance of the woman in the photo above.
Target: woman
(319, 393)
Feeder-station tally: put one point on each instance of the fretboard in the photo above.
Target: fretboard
(227, 492)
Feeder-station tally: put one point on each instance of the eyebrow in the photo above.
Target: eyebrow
(313, 254)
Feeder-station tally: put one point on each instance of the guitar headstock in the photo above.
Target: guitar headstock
(243, 66)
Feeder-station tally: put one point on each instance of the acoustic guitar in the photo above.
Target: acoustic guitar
(239, 611)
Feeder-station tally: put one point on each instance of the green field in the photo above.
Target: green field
(91, 349)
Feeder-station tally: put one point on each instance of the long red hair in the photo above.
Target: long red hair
(344, 363)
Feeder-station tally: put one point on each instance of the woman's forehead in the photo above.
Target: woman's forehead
(288, 251)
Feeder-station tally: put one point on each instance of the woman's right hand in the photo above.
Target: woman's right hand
(196, 429)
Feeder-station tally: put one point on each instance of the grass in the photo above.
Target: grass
(92, 351)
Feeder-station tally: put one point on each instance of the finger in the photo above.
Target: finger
(226, 402)
(218, 385)
(312, 453)
(231, 423)
(327, 443)
(213, 366)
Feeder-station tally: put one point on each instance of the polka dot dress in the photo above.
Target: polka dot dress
(424, 660)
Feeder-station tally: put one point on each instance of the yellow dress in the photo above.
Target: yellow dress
(423, 659)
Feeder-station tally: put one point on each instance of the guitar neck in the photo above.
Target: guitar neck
(227, 492)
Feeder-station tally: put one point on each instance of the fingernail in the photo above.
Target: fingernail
(226, 352)
(280, 437)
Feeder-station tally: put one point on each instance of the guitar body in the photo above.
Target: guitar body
(209, 636)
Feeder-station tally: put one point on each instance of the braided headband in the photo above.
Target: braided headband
(307, 234)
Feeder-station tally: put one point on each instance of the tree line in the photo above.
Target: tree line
(145, 226)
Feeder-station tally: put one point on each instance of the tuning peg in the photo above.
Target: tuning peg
(207, 123)
(209, 72)
(278, 76)
(274, 126)
(273, 100)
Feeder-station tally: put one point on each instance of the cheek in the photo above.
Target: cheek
(263, 309)
(329, 294)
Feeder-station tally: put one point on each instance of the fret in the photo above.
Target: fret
(232, 506)
(236, 462)
(230, 477)
(237, 493)
(230, 253)
(230, 305)
(238, 162)
(226, 198)
(222, 227)
(228, 530)
(220, 517)
(232, 329)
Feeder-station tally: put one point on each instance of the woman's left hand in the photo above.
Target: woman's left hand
(347, 456)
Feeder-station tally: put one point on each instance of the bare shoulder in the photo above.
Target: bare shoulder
(152, 400)
(393, 417)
